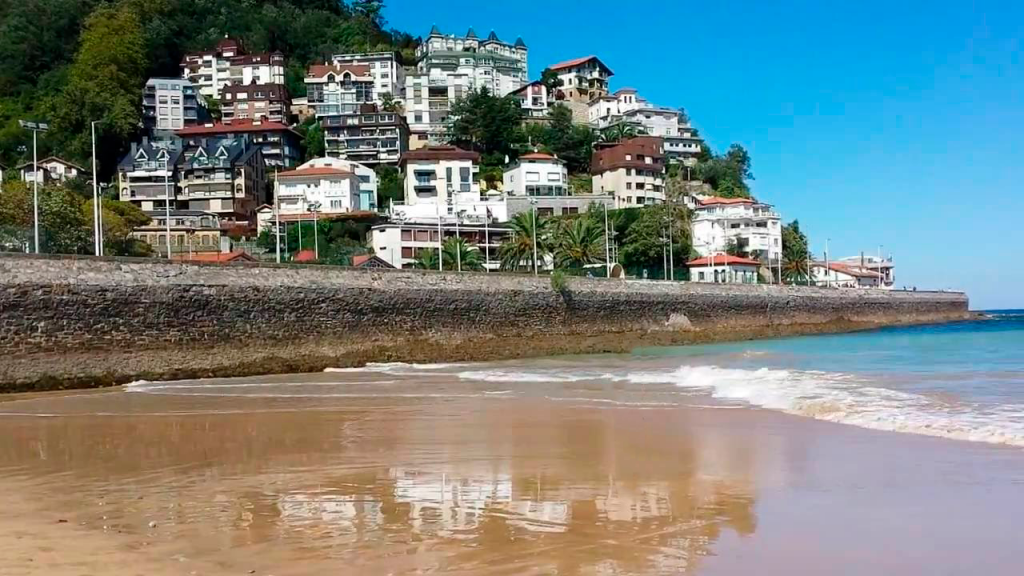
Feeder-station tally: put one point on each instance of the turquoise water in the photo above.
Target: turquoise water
(963, 380)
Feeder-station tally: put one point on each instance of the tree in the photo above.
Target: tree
(578, 242)
(63, 227)
(734, 248)
(549, 78)
(389, 104)
(683, 117)
(487, 124)
(647, 237)
(314, 140)
(105, 84)
(516, 252)
(727, 174)
(795, 253)
(571, 142)
(619, 132)
(389, 185)
(456, 253)
(426, 259)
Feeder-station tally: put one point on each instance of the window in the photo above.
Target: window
(533, 176)
(629, 157)
(336, 205)
(700, 276)
(418, 118)
(629, 185)
(554, 177)
(162, 99)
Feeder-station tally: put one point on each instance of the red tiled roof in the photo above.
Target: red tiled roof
(318, 70)
(240, 125)
(578, 61)
(537, 156)
(215, 257)
(719, 200)
(304, 256)
(366, 260)
(314, 172)
(440, 153)
(722, 260)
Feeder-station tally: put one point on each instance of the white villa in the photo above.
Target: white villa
(724, 269)
(50, 169)
(843, 275)
(442, 182)
(388, 75)
(328, 186)
(583, 79)
(754, 226)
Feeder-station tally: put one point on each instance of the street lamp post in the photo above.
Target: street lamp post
(277, 219)
(607, 246)
(95, 194)
(533, 208)
(828, 275)
(315, 208)
(167, 203)
(36, 128)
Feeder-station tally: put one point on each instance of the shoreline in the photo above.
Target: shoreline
(310, 491)
(91, 369)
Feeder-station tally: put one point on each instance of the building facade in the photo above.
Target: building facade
(842, 275)
(51, 169)
(255, 102)
(281, 146)
(228, 64)
(170, 104)
(882, 265)
(583, 79)
(449, 67)
(366, 135)
(388, 74)
(399, 243)
(724, 269)
(148, 175)
(534, 99)
(753, 226)
(225, 176)
(633, 171)
(323, 190)
(192, 232)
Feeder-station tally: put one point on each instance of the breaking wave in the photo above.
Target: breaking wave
(850, 400)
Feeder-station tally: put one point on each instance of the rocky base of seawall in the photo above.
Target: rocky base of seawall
(56, 371)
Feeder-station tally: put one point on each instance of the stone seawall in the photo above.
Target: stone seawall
(90, 321)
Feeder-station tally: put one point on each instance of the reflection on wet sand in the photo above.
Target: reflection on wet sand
(459, 485)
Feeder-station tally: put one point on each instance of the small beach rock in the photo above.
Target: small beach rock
(152, 523)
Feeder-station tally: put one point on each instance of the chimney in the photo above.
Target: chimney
(862, 259)
(135, 149)
(145, 140)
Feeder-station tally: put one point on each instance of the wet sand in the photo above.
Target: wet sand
(464, 480)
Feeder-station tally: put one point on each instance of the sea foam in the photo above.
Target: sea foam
(847, 399)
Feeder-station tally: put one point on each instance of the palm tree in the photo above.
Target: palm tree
(516, 252)
(794, 270)
(580, 242)
(426, 259)
(618, 132)
(456, 253)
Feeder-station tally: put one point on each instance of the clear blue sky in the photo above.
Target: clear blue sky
(894, 123)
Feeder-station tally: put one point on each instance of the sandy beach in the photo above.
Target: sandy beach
(461, 480)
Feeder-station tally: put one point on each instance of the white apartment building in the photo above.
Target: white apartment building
(583, 79)
(388, 75)
(399, 242)
(450, 67)
(536, 174)
(442, 182)
(607, 110)
(633, 171)
(498, 66)
(428, 102)
(753, 226)
(332, 186)
(333, 90)
(626, 107)
(228, 64)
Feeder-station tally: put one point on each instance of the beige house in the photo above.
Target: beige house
(633, 171)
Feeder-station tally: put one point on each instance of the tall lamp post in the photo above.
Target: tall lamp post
(533, 208)
(314, 207)
(167, 202)
(828, 274)
(36, 128)
(277, 219)
(607, 245)
(95, 193)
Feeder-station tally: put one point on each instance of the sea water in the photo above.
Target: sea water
(962, 380)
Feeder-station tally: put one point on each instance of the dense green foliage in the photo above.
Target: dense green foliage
(71, 62)
(487, 124)
(389, 186)
(66, 220)
(727, 173)
(516, 253)
(458, 255)
(795, 253)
